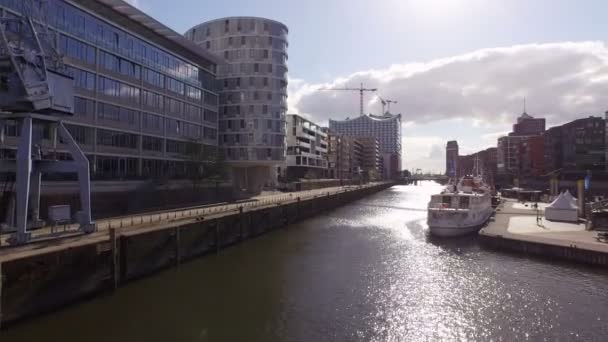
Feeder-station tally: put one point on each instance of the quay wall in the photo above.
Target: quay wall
(55, 275)
(569, 253)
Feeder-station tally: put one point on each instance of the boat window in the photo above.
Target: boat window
(464, 202)
(446, 200)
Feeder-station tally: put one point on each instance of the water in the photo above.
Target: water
(364, 272)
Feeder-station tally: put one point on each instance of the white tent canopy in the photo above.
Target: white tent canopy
(564, 208)
(569, 196)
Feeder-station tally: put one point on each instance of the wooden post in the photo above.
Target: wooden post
(298, 208)
(1, 281)
(217, 236)
(114, 265)
(178, 252)
(241, 223)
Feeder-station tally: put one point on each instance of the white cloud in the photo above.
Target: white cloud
(561, 81)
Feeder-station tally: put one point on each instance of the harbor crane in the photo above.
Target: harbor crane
(36, 94)
(361, 90)
(385, 104)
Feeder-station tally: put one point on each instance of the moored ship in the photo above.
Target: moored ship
(461, 208)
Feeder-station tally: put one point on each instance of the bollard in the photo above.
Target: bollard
(114, 266)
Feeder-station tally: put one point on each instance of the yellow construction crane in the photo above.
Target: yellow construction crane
(360, 90)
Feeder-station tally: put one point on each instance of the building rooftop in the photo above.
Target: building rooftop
(154, 25)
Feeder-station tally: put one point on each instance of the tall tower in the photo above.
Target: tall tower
(451, 159)
(253, 94)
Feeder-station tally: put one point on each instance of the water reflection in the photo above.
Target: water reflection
(366, 272)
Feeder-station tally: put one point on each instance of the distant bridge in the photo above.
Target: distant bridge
(414, 179)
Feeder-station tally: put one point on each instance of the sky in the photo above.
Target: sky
(458, 69)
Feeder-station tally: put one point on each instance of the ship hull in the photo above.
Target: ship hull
(447, 227)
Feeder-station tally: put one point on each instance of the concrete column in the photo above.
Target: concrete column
(35, 195)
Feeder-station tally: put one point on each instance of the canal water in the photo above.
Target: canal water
(364, 272)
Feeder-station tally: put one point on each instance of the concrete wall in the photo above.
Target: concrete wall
(48, 278)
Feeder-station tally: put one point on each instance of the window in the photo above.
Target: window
(210, 133)
(243, 40)
(84, 107)
(229, 41)
(116, 139)
(175, 86)
(265, 82)
(208, 45)
(152, 143)
(256, 67)
(109, 87)
(76, 49)
(83, 79)
(153, 100)
(194, 93)
(151, 122)
(154, 78)
(265, 53)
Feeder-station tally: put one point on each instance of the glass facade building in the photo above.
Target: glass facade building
(253, 88)
(143, 93)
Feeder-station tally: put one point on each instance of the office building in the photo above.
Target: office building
(306, 149)
(451, 158)
(577, 145)
(386, 128)
(143, 94)
(253, 95)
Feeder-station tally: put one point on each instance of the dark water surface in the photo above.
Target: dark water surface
(364, 272)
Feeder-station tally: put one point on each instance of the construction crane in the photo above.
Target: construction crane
(361, 90)
(37, 92)
(385, 104)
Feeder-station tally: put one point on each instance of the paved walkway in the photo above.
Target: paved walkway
(157, 220)
(516, 221)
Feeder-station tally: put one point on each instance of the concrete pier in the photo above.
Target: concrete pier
(514, 228)
(49, 274)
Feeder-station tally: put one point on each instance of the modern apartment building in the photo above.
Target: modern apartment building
(386, 128)
(143, 93)
(344, 156)
(451, 158)
(306, 149)
(253, 95)
(371, 158)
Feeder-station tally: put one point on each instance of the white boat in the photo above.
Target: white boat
(461, 208)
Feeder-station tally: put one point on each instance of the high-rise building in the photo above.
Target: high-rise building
(386, 128)
(451, 158)
(527, 125)
(306, 149)
(143, 93)
(253, 95)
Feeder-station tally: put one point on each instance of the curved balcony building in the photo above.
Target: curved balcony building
(253, 94)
